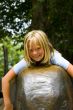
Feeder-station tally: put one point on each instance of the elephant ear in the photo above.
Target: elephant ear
(42, 88)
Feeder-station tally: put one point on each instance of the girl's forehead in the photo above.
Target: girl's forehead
(34, 41)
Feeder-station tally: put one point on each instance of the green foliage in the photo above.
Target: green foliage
(13, 15)
(14, 53)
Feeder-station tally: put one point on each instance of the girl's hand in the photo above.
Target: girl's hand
(8, 107)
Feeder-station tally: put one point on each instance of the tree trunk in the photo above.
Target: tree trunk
(5, 50)
(40, 15)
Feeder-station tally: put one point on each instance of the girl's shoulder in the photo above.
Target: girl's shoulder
(58, 59)
(55, 53)
(20, 65)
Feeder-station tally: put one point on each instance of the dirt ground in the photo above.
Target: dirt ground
(1, 104)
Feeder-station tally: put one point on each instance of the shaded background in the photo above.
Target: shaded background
(17, 17)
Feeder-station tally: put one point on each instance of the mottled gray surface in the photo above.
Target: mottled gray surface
(43, 88)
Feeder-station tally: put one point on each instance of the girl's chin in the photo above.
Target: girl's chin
(37, 60)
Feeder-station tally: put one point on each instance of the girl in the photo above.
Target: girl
(37, 51)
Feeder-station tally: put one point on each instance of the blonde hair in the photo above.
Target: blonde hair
(43, 40)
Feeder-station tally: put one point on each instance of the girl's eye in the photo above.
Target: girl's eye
(38, 48)
(30, 50)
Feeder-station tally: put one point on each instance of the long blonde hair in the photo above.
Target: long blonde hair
(43, 40)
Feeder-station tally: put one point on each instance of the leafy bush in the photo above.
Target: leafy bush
(15, 53)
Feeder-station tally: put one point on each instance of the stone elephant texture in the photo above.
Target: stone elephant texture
(42, 88)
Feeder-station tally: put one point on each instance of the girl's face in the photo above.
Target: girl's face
(35, 50)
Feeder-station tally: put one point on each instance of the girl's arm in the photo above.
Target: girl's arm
(6, 89)
(70, 69)
(6, 83)
(58, 59)
(19, 66)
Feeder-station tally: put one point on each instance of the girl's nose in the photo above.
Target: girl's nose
(34, 52)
